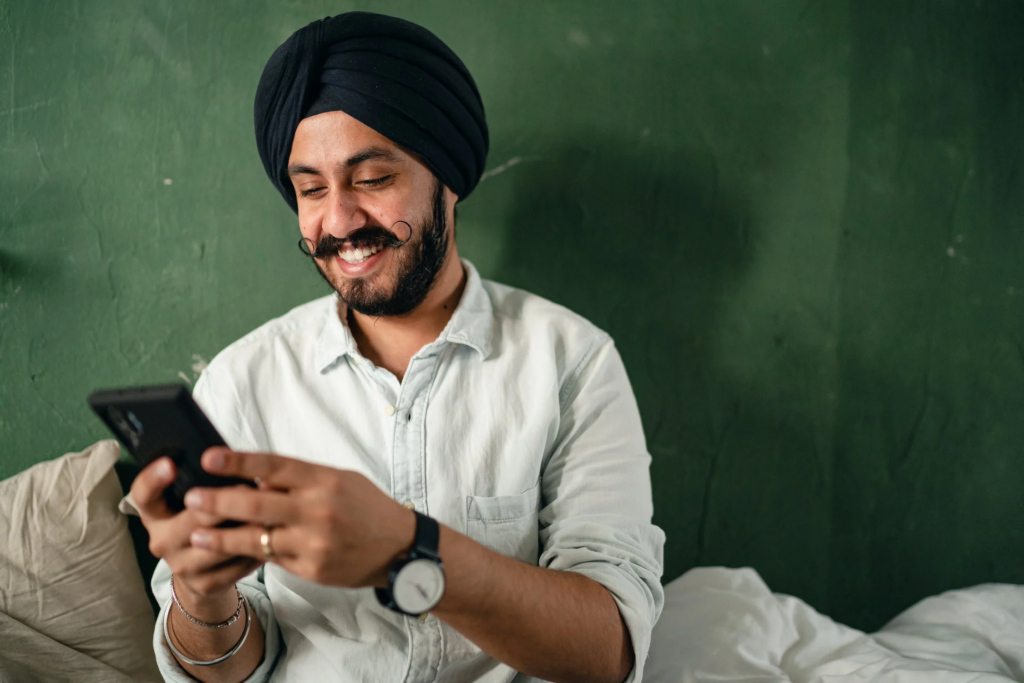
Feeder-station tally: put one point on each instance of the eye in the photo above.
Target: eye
(310, 192)
(374, 182)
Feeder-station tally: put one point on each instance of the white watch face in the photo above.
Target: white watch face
(418, 587)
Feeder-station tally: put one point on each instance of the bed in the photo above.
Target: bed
(726, 625)
(74, 606)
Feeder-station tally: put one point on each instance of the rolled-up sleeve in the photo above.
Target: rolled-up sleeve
(597, 506)
(252, 587)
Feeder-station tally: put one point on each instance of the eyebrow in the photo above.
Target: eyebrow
(354, 160)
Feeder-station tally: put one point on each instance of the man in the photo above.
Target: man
(452, 477)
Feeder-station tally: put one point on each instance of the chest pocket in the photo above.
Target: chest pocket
(506, 524)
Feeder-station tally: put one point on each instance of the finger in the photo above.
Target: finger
(267, 508)
(186, 521)
(168, 536)
(274, 470)
(248, 541)
(148, 488)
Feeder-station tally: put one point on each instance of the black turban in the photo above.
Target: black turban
(392, 75)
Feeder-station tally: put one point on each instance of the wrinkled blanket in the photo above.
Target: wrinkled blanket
(27, 655)
(725, 625)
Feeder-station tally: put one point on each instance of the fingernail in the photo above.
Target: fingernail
(163, 469)
(201, 539)
(193, 499)
(215, 460)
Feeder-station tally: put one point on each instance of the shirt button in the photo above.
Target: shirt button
(390, 410)
(409, 504)
(423, 617)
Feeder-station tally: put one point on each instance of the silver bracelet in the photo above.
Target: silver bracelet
(228, 655)
(224, 624)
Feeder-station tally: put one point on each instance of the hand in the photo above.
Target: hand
(202, 578)
(329, 526)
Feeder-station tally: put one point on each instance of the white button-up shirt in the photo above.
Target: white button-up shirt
(516, 427)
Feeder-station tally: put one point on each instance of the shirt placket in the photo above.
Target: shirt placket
(408, 478)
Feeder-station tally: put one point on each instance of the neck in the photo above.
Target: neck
(391, 341)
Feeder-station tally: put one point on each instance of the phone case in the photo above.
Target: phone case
(163, 420)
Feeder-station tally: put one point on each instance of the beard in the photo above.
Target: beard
(419, 261)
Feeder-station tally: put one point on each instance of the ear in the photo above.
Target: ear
(450, 197)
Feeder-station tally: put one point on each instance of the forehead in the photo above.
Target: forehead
(333, 136)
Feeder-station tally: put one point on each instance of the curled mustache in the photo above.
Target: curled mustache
(364, 237)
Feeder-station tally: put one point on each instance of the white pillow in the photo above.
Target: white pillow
(67, 565)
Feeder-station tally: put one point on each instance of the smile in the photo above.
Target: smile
(353, 256)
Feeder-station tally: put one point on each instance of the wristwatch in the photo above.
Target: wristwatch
(416, 582)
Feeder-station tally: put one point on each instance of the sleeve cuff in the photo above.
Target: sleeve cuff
(636, 605)
(262, 609)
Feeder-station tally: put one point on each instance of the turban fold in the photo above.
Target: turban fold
(390, 74)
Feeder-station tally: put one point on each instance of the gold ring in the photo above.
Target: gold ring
(268, 551)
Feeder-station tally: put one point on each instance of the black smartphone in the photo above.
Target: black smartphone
(163, 420)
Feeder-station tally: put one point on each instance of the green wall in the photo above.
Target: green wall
(800, 220)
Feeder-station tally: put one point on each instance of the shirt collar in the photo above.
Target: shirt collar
(471, 324)
(336, 340)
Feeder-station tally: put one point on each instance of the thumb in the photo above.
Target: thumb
(148, 488)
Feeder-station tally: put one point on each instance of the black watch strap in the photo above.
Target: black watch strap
(425, 543)
(427, 537)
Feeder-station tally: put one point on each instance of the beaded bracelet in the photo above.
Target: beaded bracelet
(224, 624)
(228, 655)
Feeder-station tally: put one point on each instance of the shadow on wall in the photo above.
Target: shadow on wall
(16, 270)
(645, 242)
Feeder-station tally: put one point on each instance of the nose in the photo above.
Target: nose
(342, 216)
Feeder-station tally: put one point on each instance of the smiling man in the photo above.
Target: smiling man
(452, 479)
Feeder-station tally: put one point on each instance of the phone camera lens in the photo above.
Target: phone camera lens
(122, 425)
(118, 417)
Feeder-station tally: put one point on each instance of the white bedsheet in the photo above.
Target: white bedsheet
(725, 625)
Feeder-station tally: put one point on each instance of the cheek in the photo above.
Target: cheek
(385, 214)
(404, 203)
(309, 225)
(311, 220)
(311, 234)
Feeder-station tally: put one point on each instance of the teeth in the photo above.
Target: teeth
(353, 256)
